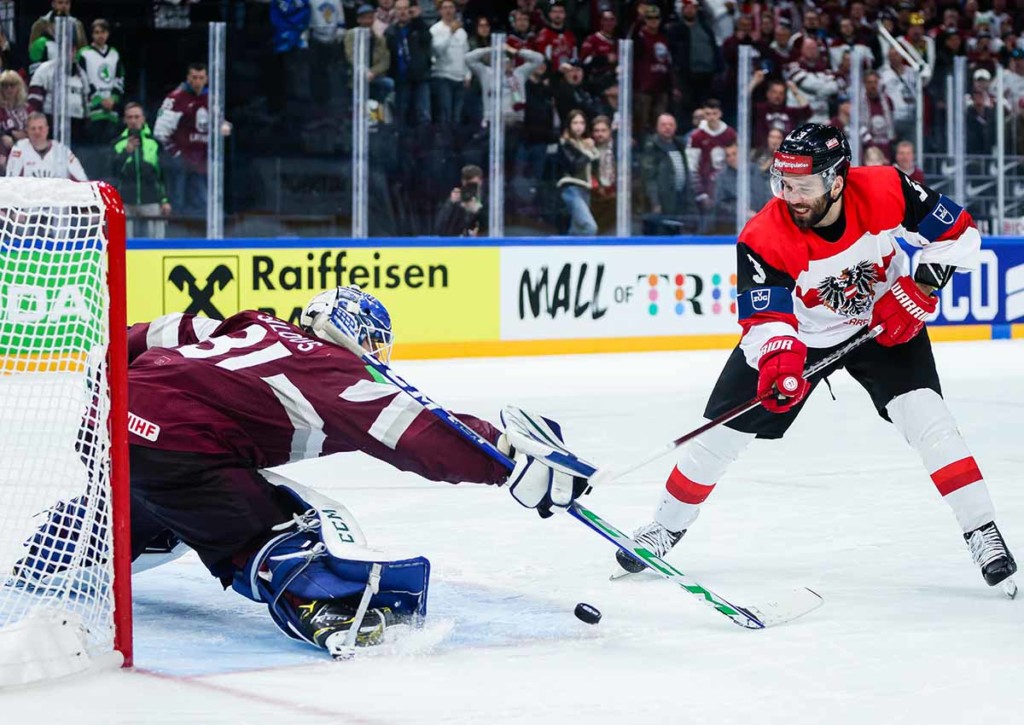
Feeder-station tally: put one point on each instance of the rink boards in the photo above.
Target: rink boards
(521, 296)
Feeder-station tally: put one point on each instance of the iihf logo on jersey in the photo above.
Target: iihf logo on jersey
(850, 293)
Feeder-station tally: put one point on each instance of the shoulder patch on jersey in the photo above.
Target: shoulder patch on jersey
(942, 218)
(765, 299)
(942, 214)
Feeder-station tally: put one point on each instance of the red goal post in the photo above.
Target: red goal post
(65, 549)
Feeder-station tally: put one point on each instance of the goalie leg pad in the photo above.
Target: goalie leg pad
(306, 562)
(52, 548)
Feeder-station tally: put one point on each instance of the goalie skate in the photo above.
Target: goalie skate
(327, 624)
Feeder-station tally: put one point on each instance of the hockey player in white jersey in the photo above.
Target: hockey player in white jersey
(819, 264)
(40, 156)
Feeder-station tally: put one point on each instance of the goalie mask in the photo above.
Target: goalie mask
(358, 315)
(805, 168)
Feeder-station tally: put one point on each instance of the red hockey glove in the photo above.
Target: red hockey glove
(902, 309)
(780, 372)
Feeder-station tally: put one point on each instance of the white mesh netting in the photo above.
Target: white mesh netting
(55, 497)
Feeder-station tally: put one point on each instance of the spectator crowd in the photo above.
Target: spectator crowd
(430, 85)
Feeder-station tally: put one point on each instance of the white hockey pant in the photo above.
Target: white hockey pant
(701, 463)
(928, 426)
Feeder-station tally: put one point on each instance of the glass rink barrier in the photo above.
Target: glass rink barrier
(249, 119)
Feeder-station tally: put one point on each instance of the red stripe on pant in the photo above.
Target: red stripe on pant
(956, 475)
(685, 490)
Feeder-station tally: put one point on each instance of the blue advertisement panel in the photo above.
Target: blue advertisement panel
(993, 294)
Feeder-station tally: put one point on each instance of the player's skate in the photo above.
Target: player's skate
(329, 621)
(990, 553)
(655, 538)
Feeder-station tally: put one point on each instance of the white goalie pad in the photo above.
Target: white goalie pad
(338, 526)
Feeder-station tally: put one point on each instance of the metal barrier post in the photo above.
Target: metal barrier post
(623, 147)
(360, 134)
(743, 75)
(215, 148)
(496, 198)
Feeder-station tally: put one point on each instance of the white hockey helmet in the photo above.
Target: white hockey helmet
(357, 315)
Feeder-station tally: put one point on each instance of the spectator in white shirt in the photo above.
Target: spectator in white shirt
(39, 156)
(327, 53)
(449, 75)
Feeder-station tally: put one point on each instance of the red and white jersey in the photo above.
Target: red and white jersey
(794, 281)
(57, 162)
(258, 388)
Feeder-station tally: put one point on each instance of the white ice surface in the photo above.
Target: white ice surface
(909, 632)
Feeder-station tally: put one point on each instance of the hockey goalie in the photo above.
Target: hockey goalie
(213, 403)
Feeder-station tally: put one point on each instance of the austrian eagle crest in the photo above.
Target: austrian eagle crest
(851, 292)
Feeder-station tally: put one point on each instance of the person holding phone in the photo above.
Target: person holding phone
(137, 173)
(463, 215)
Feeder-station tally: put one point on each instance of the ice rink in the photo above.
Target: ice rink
(909, 632)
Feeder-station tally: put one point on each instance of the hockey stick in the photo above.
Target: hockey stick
(783, 609)
(604, 475)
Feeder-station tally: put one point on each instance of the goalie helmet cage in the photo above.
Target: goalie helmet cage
(65, 550)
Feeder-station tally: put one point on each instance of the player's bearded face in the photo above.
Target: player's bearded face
(806, 214)
(805, 198)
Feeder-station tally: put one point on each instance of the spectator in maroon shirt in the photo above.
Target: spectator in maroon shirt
(709, 142)
(881, 124)
(812, 28)
(522, 33)
(536, 16)
(600, 52)
(844, 42)
(773, 111)
(556, 42)
(730, 56)
(780, 50)
(861, 21)
(652, 72)
(906, 163)
(765, 30)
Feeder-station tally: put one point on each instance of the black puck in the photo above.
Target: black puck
(587, 613)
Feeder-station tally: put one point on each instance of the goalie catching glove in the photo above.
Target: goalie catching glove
(546, 473)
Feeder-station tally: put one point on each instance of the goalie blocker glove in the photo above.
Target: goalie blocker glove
(546, 474)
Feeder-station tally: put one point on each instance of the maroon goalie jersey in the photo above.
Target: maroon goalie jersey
(257, 387)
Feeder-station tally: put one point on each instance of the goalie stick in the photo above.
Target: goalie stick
(604, 475)
(784, 608)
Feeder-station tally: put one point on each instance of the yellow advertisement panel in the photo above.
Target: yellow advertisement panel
(437, 296)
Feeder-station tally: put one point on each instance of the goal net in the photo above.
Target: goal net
(64, 603)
